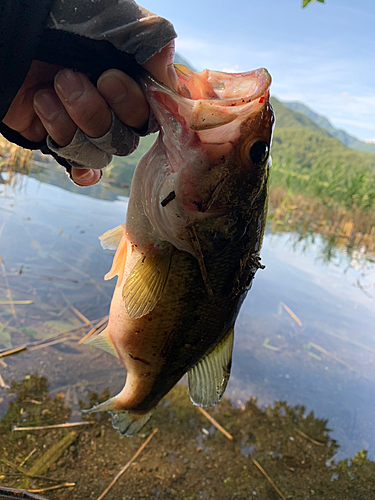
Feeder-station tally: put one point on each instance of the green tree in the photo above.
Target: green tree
(306, 2)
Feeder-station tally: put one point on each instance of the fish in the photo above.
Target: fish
(190, 246)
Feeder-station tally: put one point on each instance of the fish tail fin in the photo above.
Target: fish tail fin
(126, 423)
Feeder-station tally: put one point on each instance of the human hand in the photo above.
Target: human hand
(54, 101)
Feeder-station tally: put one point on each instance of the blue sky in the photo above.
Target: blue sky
(323, 56)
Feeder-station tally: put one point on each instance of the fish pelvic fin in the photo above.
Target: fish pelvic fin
(102, 341)
(145, 285)
(110, 240)
(208, 379)
(115, 239)
(126, 423)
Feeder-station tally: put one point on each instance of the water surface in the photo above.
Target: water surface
(323, 359)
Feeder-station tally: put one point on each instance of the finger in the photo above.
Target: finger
(85, 177)
(54, 117)
(21, 114)
(85, 106)
(161, 66)
(22, 118)
(36, 131)
(125, 97)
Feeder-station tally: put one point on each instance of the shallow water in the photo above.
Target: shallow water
(51, 255)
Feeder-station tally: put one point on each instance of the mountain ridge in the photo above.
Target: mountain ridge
(323, 122)
(299, 140)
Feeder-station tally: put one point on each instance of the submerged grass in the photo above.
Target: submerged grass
(13, 158)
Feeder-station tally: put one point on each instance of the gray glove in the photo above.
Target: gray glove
(131, 29)
(88, 152)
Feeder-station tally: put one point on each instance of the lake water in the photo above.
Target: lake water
(51, 256)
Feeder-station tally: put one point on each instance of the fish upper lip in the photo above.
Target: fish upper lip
(263, 87)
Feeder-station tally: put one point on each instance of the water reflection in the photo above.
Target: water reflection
(283, 448)
(51, 256)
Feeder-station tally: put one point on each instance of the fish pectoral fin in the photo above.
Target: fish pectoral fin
(208, 379)
(126, 423)
(102, 341)
(119, 260)
(110, 240)
(145, 284)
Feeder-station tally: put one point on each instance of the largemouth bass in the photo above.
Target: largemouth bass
(189, 250)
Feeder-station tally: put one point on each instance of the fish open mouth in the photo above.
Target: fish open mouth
(223, 89)
(210, 99)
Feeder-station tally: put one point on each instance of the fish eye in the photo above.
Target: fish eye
(259, 152)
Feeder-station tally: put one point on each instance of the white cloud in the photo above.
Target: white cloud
(338, 88)
(234, 69)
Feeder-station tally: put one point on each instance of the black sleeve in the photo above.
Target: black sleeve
(21, 26)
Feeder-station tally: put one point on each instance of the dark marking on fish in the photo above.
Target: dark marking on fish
(168, 199)
(140, 359)
(229, 366)
(165, 349)
(199, 205)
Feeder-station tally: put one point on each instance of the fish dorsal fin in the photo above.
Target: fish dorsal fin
(111, 239)
(102, 341)
(208, 379)
(145, 285)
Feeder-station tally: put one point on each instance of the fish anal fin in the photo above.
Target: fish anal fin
(119, 260)
(102, 341)
(110, 240)
(145, 284)
(208, 379)
(109, 405)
